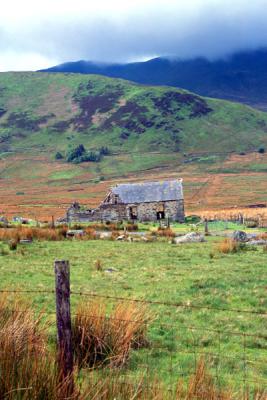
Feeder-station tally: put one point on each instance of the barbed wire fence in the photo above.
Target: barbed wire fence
(233, 357)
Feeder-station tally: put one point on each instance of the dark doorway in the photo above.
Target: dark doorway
(160, 215)
(133, 212)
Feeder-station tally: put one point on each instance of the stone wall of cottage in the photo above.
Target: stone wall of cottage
(174, 210)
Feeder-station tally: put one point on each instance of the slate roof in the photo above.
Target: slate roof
(147, 192)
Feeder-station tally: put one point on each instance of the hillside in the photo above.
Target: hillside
(241, 77)
(150, 133)
(53, 112)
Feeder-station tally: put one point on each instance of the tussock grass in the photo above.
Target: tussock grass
(98, 265)
(103, 337)
(165, 232)
(22, 232)
(90, 233)
(229, 246)
(27, 368)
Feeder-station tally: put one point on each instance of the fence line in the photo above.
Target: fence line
(165, 324)
(150, 302)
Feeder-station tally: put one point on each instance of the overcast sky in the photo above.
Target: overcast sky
(35, 34)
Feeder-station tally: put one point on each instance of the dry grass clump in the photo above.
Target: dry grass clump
(13, 244)
(115, 235)
(229, 246)
(90, 233)
(107, 226)
(27, 368)
(262, 235)
(98, 265)
(201, 386)
(103, 337)
(30, 233)
(132, 227)
(165, 232)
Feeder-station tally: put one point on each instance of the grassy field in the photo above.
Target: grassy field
(206, 282)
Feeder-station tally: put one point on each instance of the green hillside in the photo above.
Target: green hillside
(42, 112)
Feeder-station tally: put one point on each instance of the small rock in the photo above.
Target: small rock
(240, 236)
(121, 237)
(75, 232)
(110, 270)
(25, 241)
(104, 235)
(144, 239)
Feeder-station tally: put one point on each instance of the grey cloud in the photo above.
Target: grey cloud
(210, 32)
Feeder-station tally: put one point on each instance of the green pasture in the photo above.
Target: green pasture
(214, 296)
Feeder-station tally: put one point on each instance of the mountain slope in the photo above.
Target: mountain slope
(50, 112)
(241, 77)
(151, 133)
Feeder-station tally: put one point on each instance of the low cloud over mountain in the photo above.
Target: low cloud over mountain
(41, 34)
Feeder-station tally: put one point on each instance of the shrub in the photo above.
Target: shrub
(261, 150)
(104, 151)
(58, 156)
(192, 219)
(75, 153)
(79, 154)
(101, 337)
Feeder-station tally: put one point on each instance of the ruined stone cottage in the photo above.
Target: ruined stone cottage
(148, 201)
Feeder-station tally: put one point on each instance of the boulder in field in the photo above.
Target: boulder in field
(257, 242)
(192, 237)
(240, 236)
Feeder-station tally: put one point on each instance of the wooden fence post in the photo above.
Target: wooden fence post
(64, 337)
(206, 226)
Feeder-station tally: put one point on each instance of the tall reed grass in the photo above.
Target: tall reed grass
(27, 367)
(104, 336)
